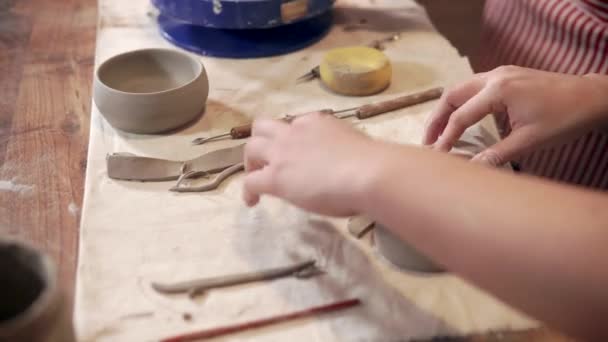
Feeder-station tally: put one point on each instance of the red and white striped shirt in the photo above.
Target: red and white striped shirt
(566, 36)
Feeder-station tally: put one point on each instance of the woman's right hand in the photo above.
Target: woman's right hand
(542, 108)
(317, 163)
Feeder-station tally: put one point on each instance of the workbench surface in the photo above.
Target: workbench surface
(46, 66)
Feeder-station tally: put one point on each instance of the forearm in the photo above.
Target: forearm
(600, 94)
(539, 246)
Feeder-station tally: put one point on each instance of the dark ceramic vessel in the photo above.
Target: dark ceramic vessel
(33, 307)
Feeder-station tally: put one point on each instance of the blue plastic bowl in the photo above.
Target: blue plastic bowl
(242, 14)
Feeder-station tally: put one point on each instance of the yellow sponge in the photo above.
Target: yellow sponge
(356, 71)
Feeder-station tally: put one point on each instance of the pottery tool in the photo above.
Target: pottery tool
(246, 326)
(195, 287)
(130, 167)
(362, 112)
(378, 44)
(209, 186)
(244, 131)
(374, 109)
(355, 71)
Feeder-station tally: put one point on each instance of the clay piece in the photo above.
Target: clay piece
(358, 226)
(401, 254)
(150, 90)
(302, 270)
(391, 247)
(209, 186)
(136, 168)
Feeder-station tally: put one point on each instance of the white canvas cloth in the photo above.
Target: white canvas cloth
(134, 233)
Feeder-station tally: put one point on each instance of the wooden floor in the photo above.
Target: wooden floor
(46, 67)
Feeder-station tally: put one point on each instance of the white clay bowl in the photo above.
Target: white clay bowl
(401, 254)
(151, 90)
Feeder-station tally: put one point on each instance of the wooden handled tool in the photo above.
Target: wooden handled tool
(237, 132)
(244, 131)
(246, 326)
(361, 113)
(373, 109)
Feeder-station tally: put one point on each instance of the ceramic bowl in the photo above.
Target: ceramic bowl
(401, 254)
(151, 90)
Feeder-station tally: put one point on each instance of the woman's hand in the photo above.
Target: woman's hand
(542, 108)
(316, 162)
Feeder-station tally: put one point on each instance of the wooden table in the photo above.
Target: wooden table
(46, 67)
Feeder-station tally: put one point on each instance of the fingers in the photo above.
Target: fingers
(304, 119)
(265, 153)
(268, 128)
(256, 153)
(464, 117)
(509, 149)
(257, 183)
(257, 157)
(450, 102)
(257, 179)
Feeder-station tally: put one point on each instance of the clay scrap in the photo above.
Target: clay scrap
(358, 226)
(136, 168)
(208, 186)
(302, 270)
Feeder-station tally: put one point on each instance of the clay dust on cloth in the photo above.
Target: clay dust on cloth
(135, 233)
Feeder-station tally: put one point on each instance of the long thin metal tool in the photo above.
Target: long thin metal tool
(195, 287)
(244, 131)
(361, 113)
(263, 322)
(309, 76)
(237, 132)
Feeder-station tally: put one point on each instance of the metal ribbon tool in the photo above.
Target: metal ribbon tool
(211, 185)
(302, 270)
